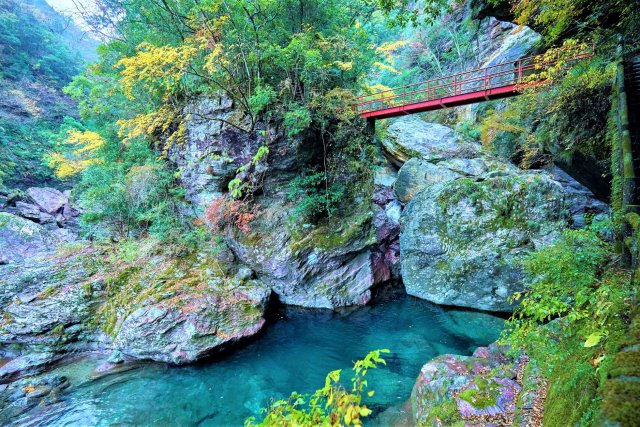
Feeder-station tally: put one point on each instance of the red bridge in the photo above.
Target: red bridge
(482, 84)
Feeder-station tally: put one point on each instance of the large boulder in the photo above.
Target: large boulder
(213, 150)
(410, 137)
(219, 139)
(416, 175)
(470, 219)
(462, 241)
(46, 302)
(21, 238)
(482, 389)
(49, 200)
(160, 306)
(324, 266)
(191, 324)
(181, 309)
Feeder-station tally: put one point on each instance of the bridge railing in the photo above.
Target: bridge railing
(516, 72)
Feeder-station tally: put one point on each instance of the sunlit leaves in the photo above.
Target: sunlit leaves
(156, 68)
(77, 152)
(330, 406)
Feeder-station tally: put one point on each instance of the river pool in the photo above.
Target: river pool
(294, 353)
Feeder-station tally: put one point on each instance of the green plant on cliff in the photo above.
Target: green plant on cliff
(332, 405)
(571, 320)
(567, 118)
(280, 61)
(558, 19)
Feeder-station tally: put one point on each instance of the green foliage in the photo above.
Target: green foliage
(263, 96)
(484, 394)
(133, 195)
(554, 124)
(403, 12)
(313, 195)
(297, 120)
(573, 315)
(559, 19)
(332, 405)
(287, 59)
(339, 175)
(438, 47)
(34, 63)
(32, 49)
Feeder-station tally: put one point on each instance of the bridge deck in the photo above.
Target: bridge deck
(483, 84)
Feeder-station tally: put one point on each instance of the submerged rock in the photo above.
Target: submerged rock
(22, 395)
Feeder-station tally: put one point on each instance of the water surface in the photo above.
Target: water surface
(294, 353)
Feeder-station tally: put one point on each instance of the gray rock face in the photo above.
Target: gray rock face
(46, 304)
(25, 365)
(82, 302)
(386, 252)
(219, 141)
(469, 220)
(472, 390)
(21, 238)
(410, 137)
(510, 42)
(201, 323)
(206, 164)
(416, 175)
(462, 241)
(29, 211)
(49, 200)
(580, 199)
(46, 206)
(318, 267)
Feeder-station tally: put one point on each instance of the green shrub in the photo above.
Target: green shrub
(332, 405)
(571, 321)
(313, 195)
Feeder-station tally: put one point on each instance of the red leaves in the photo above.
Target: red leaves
(224, 212)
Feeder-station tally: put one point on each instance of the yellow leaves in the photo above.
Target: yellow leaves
(553, 64)
(495, 124)
(592, 340)
(376, 88)
(82, 154)
(385, 67)
(390, 47)
(386, 50)
(214, 59)
(166, 121)
(156, 67)
(344, 66)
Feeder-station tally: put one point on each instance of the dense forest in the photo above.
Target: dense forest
(206, 164)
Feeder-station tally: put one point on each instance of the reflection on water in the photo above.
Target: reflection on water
(294, 354)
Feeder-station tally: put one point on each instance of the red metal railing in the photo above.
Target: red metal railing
(482, 80)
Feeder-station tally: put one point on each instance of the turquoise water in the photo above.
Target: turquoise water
(295, 352)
